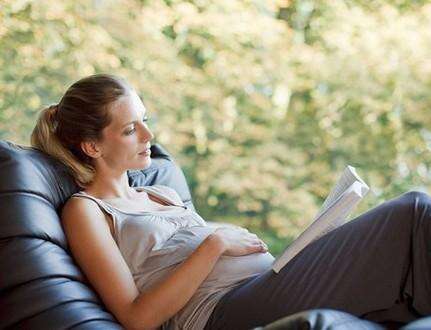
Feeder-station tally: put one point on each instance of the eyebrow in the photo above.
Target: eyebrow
(133, 122)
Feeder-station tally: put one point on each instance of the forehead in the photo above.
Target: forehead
(128, 108)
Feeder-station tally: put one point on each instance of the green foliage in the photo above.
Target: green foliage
(262, 103)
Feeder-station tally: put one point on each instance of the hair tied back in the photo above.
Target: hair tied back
(52, 112)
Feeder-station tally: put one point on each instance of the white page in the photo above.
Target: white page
(348, 176)
(339, 204)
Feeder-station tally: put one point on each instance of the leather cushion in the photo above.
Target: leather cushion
(40, 284)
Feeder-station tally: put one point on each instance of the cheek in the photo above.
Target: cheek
(129, 147)
(122, 148)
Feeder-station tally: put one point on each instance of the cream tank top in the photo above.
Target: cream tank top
(154, 243)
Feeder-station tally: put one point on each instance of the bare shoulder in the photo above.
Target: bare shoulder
(95, 251)
(77, 206)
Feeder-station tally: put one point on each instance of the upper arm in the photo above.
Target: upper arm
(97, 254)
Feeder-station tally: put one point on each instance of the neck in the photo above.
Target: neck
(105, 186)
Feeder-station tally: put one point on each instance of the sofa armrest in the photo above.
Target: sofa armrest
(319, 319)
(423, 323)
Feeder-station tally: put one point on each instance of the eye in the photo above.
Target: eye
(130, 132)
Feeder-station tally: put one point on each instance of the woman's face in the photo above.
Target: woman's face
(127, 137)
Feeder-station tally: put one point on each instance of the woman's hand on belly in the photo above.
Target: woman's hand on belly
(239, 241)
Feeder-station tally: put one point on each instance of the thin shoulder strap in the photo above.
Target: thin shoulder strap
(104, 206)
(164, 193)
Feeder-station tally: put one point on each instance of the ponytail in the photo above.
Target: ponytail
(44, 138)
(81, 115)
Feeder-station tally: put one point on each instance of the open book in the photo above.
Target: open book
(341, 201)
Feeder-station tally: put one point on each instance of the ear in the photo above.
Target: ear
(91, 148)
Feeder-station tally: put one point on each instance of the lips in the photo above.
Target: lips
(146, 151)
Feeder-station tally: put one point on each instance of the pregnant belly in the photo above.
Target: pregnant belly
(228, 268)
(180, 246)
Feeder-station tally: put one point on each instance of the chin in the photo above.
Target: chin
(147, 164)
(142, 165)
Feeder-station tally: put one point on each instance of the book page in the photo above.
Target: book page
(340, 203)
(348, 176)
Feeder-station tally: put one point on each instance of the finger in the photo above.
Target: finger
(260, 248)
(261, 245)
(257, 239)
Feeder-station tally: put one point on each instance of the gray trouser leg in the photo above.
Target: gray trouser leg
(376, 266)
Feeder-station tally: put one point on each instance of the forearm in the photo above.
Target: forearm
(164, 300)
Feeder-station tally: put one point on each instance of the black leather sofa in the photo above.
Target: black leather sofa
(41, 287)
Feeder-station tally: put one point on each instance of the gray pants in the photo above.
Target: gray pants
(377, 266)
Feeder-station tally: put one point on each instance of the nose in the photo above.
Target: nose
(146, 133)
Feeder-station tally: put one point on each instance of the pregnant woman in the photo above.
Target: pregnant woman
(156, 263)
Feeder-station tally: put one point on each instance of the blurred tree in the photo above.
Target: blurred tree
(262, 103)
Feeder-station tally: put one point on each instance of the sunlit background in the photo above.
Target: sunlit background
(262, 103)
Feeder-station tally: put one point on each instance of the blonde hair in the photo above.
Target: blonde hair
(81, 115)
